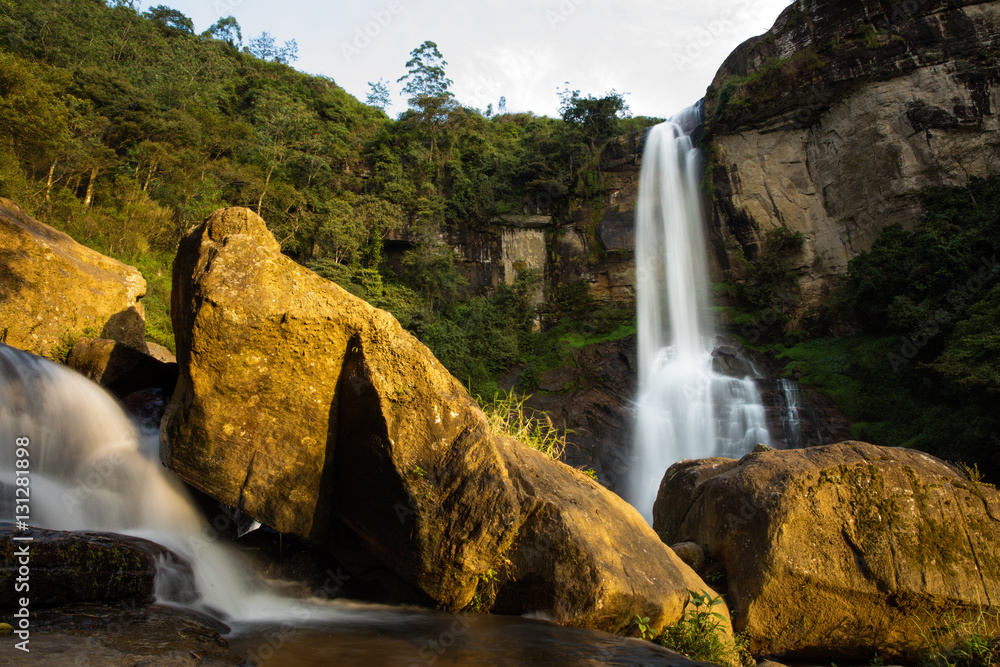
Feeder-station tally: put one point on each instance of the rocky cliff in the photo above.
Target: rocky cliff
(585, 241)
(829, 123)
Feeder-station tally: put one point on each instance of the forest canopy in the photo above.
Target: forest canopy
(126, 128)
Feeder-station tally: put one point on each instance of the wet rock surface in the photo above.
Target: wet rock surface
(592, 398)
(69, 567)
(109, 635)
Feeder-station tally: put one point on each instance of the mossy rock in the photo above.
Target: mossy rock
(843, 550)
(68, 567)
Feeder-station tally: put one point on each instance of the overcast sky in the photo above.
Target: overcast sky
(663, 53)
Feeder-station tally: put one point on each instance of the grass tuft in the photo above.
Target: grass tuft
(507, 415)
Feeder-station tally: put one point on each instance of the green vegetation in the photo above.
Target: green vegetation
(700, 634)
(922, 370)
(506, 415)
(736, 95)
(953, 643)
(768, 291)
(124, 129)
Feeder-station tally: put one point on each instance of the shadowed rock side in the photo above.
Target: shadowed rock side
(832, 121)
(591, 397)
(119, 368)
(51, 287)
(842, 550)
(318, 415)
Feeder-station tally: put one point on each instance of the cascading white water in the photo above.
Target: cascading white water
(791, 423)
(92, 468)
(685, 409)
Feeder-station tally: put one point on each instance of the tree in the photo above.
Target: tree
(598, 118)
(265, 47)
(379, 94)
(283, 125)
(170, 18)
(227, 30)
(427, 87)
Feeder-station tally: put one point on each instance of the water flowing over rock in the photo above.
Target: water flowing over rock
(829, 124)
(52, 287)
(685, 409)
(840, 550)
(318, 415)
(73, 567)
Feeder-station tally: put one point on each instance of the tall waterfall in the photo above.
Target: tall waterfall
(685, 409)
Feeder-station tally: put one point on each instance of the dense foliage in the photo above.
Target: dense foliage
(125, 128)
(923, 370)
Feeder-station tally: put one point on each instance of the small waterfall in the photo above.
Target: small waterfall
(792, 423)
(685, 409)
(92, 468)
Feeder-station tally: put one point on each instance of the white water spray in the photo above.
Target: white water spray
(791, 423)
(92, 468)
(685, 409)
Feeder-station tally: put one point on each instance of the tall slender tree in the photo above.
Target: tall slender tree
(428, 89)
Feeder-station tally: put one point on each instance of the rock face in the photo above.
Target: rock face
(595, 245)
(318, 415)
(120, 368)
(503, 251)
(830, 122)
(566, 241)
(591, 397)
(841, 550)
(51, 286)
(76, 567)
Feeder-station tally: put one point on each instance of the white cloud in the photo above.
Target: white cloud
(663, 53)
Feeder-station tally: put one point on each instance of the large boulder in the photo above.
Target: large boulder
(318, 415)
(842, 550)
(52, 288)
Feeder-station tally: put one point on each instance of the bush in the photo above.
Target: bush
(700, 634)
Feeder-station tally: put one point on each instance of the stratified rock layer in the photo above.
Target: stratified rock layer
(842, 550)
(830, 123)
(51, 288)
(316, 414)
